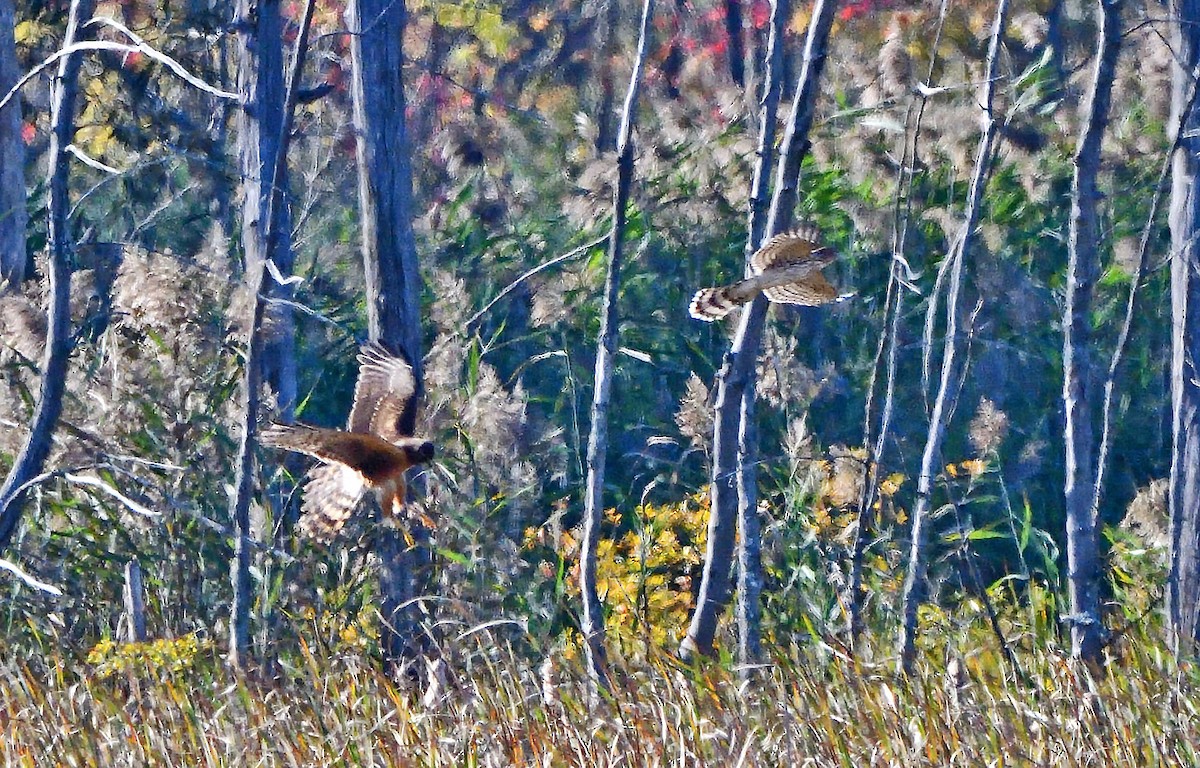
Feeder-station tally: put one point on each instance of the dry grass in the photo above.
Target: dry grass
(816, 708)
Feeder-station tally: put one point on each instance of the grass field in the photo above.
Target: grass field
(817, 707)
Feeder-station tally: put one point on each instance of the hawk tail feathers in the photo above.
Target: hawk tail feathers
(290, 436)
(331, 495)
(711, 304)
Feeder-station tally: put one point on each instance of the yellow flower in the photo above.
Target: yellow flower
(891, 484)
(974, 467)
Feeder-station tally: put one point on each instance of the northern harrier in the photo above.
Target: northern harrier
(787, 270)
(372, 453)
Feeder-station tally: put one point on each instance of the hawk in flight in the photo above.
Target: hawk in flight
(787, 270)
(372, 453)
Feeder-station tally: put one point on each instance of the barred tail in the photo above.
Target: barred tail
(331, 495)
(711, 304)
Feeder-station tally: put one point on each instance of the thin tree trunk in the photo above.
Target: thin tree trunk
(260, 81)
(1183, 584)
(12, 161)
(239, 620)
(888, 340)
(33, 454)
(135, 603)
(605, 139)
(222, 186)
(749, 609)
(260, 76)
(1083, 266)
(737, 42)
(735, 379)
(1135, 284)
(914, 582)
(393, 282)
(592, 625)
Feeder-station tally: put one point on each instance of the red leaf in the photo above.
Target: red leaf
(28, 133)
(760, 13)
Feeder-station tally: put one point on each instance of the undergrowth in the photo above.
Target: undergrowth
(498, 706)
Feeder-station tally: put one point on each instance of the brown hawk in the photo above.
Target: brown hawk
(787, 270)
(372, 453)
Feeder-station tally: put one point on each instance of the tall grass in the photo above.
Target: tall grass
(813, 706)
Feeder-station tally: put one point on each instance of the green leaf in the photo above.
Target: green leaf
(454, 557)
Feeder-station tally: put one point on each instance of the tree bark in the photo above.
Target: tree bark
(33, 454)
(605, 138)
(260, 82)
(749, 609)
(13, 218)
(135, 603)
(735, 379)
(1183, 584)
(592, 624)
(393, 282)
(737, 42)
(239, 620)
(914, 582)
(888, 341)
(1083, 266)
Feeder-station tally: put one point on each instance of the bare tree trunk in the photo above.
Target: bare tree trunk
(749, 610)
(592, 625)
(135, 603)
(1135, 285)
(605, 139)
(1183, 584)
(33, 454)
(239, 620)
(260, 65)
(735, 380)
(260, 82)
(737, 42)
(914, 582)
(888, 340)
(393, 282)
(1083, 265)
(12, 161)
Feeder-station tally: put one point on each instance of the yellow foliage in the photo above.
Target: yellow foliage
(94, 139)
(644, 575)
(484, 20)
(109, 658)
(891, 484)
(29, 32)
(974, 467)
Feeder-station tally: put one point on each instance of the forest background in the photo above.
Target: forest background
(910, 554)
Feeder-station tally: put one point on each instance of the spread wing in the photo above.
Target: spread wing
(812, 291)
(331, 495)
(786, 270)
(383, 393)
(800, 246)
(370, 455)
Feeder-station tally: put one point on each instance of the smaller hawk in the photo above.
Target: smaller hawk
(372, 453)
(787, 270)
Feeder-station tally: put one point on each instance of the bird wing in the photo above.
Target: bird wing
(800, 246)
(785, 269)
(371, 456)
(812, 291)
(383, 394)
